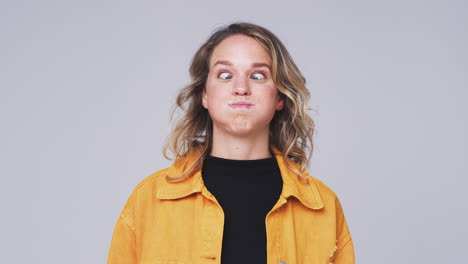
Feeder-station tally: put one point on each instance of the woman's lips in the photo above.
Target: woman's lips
(241, 105)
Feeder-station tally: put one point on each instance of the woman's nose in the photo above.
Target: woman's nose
(241, 86)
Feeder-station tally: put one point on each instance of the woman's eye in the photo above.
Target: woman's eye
(258, 76)
(225, 76)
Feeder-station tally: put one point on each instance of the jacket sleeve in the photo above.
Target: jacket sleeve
(344, 253)
(123, 243)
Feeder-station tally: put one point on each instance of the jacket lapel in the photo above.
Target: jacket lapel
(304, 190)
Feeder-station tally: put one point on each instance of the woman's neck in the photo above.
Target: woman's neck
(251, 147)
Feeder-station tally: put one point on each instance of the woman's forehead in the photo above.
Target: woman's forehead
(239, 49)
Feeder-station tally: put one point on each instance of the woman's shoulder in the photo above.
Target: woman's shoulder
(325, 191)
(150, 184)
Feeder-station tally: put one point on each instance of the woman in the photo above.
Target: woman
(238, 191)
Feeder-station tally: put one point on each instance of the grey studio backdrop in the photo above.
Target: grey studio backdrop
(86, 89)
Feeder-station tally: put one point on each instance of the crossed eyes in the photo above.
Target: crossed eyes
(255, 76)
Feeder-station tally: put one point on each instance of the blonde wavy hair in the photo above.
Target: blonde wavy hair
(291, 128)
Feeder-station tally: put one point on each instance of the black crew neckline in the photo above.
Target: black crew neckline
(244, 163)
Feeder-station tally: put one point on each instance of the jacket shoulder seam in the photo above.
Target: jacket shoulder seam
(122, 218)
(324, 190)
(153, 177)
(343, 243)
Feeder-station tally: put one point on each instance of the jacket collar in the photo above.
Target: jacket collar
(305, 191)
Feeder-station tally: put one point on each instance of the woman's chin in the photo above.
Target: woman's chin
(240, 126)
(241, 131)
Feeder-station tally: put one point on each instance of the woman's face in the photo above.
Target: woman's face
(240, 94)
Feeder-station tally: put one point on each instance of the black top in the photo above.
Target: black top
(246, 190)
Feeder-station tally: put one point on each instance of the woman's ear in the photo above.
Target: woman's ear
(280, 104)
(204, 99)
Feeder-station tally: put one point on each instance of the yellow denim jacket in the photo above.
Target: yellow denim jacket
(182, 223)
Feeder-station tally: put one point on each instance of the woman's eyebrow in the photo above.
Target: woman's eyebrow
(254, 65)
(261, 64)
(223, 62)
